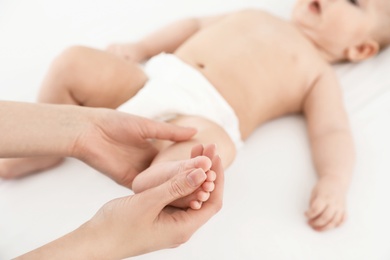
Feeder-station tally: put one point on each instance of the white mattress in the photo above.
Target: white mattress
(268, 186)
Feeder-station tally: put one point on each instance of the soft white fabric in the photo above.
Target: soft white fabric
(267, 187)
(175, 88)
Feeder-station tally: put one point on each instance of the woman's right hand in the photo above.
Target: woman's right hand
(143, 223)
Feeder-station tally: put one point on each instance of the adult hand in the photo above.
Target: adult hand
(115, 143)
(119, 144)
(142, 223)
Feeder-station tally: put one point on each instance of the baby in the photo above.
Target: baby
(228, 74)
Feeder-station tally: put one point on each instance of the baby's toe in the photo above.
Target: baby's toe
(201, 162)
(211, 176)
(203, 196)
(197, 150)
(186, 201)
(210, 150)
(208, 186)
(195, 204)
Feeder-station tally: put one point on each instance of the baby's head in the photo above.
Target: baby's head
(351, 30)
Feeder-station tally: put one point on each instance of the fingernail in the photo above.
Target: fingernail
(196, 177)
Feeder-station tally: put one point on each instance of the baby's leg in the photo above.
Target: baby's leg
(208, 133)
(93, 78)
(80, 76)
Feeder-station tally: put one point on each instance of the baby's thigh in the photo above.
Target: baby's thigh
(208, 133)
(93, 77)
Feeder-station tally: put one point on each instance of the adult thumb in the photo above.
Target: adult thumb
(177, 187)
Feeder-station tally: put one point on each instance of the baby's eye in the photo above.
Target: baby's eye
(354, 2)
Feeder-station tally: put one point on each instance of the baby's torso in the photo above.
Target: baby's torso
(263, 66)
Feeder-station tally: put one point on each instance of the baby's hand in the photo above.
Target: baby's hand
(327, 204)
(128, 51)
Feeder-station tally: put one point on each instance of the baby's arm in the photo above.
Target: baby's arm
(332, 150)
(167, 39)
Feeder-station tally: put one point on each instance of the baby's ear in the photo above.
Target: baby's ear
(363, 51)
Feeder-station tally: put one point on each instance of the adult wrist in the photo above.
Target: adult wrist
(103, 242)
(81, 144)
(81, 243)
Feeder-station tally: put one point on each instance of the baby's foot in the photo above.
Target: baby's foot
(328, 204)
(161, 172)
(19, 167)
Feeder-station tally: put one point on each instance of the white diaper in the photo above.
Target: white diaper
(175, 88)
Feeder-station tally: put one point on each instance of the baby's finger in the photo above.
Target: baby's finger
(316, 208)
(333, 223)
(325, 218)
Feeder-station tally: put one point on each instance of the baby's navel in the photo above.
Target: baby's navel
(200, 65)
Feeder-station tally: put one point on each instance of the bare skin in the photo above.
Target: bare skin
(258, 63)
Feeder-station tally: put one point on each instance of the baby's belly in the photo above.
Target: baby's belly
(252, 97)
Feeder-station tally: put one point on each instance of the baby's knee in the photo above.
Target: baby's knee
(68, 60)
(66, 68)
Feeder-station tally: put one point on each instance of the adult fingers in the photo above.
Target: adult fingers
(164, 131)
(177, 187)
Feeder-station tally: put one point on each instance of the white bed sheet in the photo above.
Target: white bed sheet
(268, 186)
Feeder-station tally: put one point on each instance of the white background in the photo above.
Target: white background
(268, 186)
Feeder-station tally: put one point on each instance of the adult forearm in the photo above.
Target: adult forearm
(334, 155)
(82, 243)
(39, 129)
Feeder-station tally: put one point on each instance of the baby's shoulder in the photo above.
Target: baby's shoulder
(326, 69)
(326, 78)
(253, 12)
